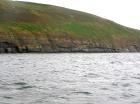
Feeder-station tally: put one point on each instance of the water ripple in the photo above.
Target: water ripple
(70, 78)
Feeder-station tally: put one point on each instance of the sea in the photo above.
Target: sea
(70, 78)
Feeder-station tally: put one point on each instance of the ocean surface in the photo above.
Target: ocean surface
(70, 78)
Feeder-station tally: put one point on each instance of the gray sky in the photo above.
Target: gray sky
(125, 12)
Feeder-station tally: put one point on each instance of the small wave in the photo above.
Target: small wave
(20, 83)
(7, 97)
(24, 87)
(137, 77)
(83, 92)
(113, 98)
(126, 85)
(92, 75)
(104, 89)
(127, 95)
(136, 102)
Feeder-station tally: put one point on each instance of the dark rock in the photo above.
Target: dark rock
(6, 47)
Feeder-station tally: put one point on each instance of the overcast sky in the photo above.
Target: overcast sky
(125, 12)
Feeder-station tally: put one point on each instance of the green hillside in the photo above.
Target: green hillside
(47, 28)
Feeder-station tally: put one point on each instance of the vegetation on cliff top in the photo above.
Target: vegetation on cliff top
(20, 20)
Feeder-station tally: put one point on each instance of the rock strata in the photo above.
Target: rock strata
(63, 45)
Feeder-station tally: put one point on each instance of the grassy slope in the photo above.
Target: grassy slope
(19, 20)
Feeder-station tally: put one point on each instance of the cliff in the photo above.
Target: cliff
(31, 27)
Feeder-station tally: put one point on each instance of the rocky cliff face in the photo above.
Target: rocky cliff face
(29, 27)
(54, 45)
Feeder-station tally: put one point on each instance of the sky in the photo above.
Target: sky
(124, 12)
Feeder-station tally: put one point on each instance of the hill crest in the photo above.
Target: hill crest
(47, 28)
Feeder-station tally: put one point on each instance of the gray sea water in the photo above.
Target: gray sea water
(70, 78)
